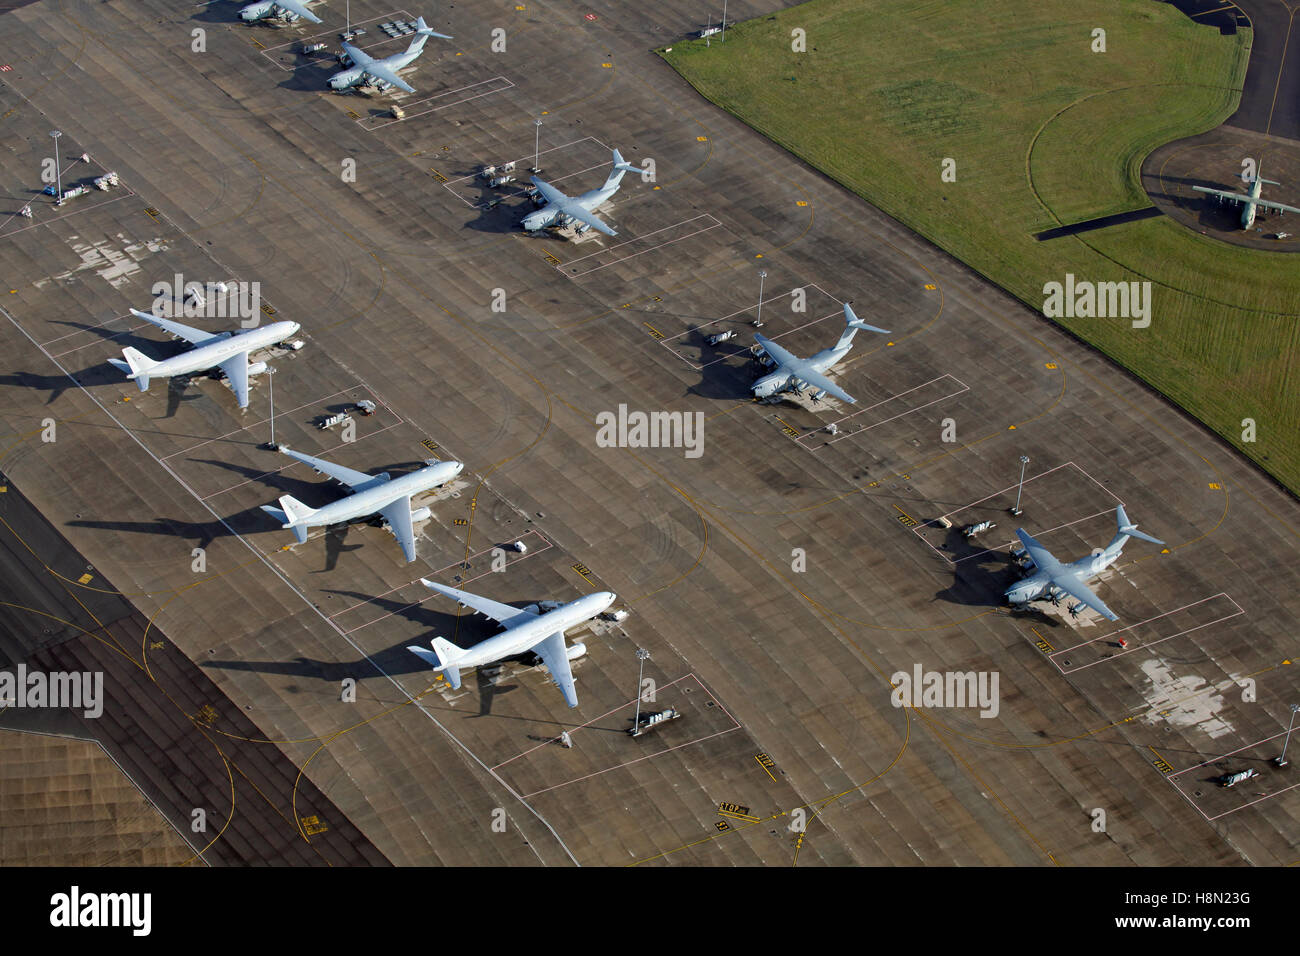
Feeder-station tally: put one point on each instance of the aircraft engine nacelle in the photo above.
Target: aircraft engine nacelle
(256, 368)
(421, 514)
(576, 650)
(818, 396)
(255, 11)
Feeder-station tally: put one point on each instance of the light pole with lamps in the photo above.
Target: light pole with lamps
(642, 655)
(1280, 761)
(58, 173)
(1024, 462)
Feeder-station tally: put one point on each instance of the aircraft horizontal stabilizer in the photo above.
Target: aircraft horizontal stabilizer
(423, 28)
(1127, 527)
(276, 513)
(624, 165)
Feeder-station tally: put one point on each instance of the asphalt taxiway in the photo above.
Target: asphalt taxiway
(778, 580)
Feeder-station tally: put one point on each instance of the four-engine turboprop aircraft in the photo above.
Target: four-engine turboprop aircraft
(581, 208)
(368, 495)
(225, 350)
(793, 373)
(1250, 202)
(268, 8)
(385, 70)
(526, 629)
(1051, 578)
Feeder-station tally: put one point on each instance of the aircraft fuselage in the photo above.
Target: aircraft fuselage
(369, 501)
(210, 355)
(528, 633)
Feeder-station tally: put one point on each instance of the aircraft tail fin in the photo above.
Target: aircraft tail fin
(852, 325)
(444, 658)
(295, 514)
(1124, 530)
(137, 366)
(621, 166)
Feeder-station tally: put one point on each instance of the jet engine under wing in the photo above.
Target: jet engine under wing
(556, 658)
(379, 71)
(501, 613)
(398, 516)
(802, 370)
(236, 369)
(187, 332)
(356, 480)
(298, 7)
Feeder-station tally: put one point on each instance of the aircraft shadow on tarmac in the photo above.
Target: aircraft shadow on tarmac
(202, 533)
(727, 380)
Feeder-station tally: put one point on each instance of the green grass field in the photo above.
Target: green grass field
(1044, 131)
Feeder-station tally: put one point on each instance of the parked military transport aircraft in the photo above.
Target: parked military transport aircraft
(526, 629)
(385, 70)
(368, 495)
(582, 208)
(1250, 202)
(1051, 578)
(795, 374)
(269, 8)
(225, 350)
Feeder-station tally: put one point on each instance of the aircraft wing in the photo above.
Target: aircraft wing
(187, 332)
(779, 353)
(1223, 194)
(501, 613)
(1074, 585)
(236, 369)
(1280, 207)
(578, 211)
(556, 658)
(357, 56)
(298, 7)
(805, 373)
(353, 479)
(377, 69)
(549, 192)
(1044, 560)
(398, 516)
